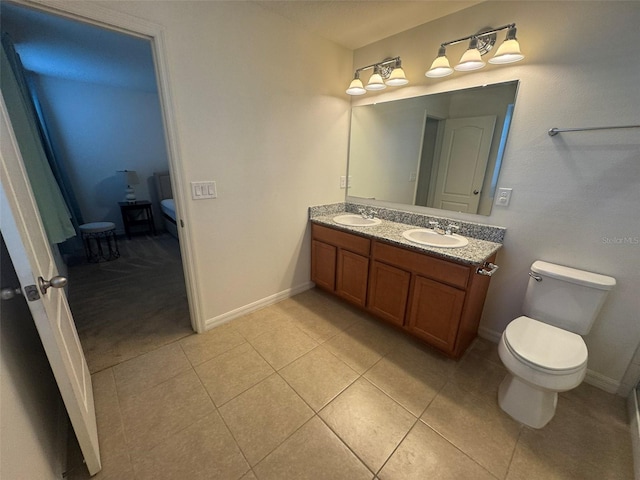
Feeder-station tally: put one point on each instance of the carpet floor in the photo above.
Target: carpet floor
(131, 305)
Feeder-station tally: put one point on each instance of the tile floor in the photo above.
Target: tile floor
(311, 388)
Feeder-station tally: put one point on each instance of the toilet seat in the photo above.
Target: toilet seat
(544, 347)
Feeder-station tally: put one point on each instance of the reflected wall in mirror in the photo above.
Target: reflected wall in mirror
(440, 151)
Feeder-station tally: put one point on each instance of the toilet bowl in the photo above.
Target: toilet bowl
(542, 360)
(543, 351)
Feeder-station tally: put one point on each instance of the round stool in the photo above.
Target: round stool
(94, 235)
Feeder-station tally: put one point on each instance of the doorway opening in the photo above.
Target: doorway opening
(104, 115)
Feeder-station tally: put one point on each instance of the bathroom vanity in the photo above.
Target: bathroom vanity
(434, 294)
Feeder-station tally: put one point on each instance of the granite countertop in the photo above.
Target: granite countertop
(475, 253)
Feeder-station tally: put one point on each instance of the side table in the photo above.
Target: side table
(137, 214)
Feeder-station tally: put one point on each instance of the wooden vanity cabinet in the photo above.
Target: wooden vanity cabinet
(444, 299)
(340, 263)
(436, 300)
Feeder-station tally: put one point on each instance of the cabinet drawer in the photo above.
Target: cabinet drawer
(350, 242)
(422, 264)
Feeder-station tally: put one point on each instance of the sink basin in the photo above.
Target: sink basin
(353, 220)
(424, 236)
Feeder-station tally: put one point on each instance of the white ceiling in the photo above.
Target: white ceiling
(59, 47)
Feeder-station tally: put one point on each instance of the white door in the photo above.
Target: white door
(29, 249)
(463, 162)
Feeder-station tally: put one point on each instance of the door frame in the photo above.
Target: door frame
(93, 14)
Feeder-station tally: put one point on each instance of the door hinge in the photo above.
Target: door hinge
(31, 292)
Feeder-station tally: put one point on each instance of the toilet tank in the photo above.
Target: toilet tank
(565, 297)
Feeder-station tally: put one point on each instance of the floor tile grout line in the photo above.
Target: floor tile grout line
(243, 391)
(124, 432)
(397, 446)
(217, 411)
(307, 403)
(288, 436)
(147, 450)
(346, 444)
(156, 384)
(513, 453)
(458, 448)
(226, 425)
(215, 356)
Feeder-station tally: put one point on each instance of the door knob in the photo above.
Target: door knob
(475, 192)
(8, 293)
(56, 282)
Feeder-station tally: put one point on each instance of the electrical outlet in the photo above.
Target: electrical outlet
(343, 181)
(503, 197)
(413, 176)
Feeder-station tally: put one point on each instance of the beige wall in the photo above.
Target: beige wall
(260, 108)
(572, 192)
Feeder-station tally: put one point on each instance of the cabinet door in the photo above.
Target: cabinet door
(388, 292)
(323, 265)
(435, 312)
(351, 278)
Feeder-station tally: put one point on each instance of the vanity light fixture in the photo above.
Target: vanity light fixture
(479, 44)
(388, 72)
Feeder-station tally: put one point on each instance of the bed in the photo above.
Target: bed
(167, 204)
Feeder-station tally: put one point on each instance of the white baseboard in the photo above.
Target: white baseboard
(251, 307)
(607, 384)
(592, 378)
(489, 334)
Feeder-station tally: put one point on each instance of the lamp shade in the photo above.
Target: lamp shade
(375, 82)
(508, 52)
(471, 60)
(397, 78)
(356, 88)
(440, 66)
(132, 177)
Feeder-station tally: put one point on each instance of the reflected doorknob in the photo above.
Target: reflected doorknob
(56, 282)
(8, 293)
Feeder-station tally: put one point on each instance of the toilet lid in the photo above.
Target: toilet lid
(544, 345)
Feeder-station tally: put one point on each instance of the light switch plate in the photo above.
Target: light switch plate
(203, 190)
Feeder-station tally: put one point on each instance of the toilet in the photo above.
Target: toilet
(543, 350)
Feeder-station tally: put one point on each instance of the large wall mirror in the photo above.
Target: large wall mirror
(440, 151)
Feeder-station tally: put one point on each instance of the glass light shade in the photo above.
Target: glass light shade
(439, 68)
(356, 88)
(375, 83)
(471, 60)
(508, 52)
(397, 78)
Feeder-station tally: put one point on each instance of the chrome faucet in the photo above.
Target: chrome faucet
(449, 227)
(435, 226)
